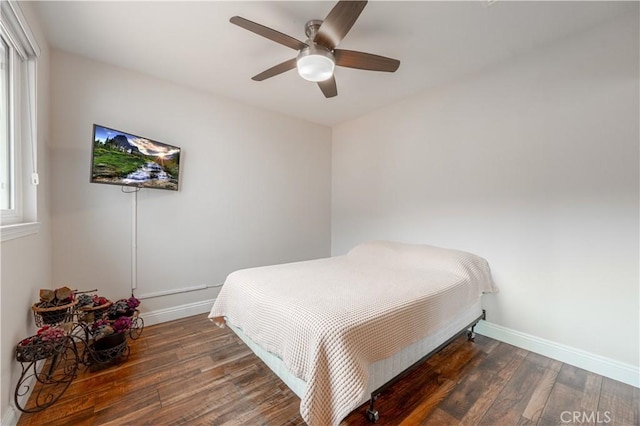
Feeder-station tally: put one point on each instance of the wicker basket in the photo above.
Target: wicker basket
(93, 313)
(37, 351)
(53, 315)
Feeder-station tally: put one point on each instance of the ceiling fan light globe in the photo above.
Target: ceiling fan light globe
(315, 67)
(315, 63)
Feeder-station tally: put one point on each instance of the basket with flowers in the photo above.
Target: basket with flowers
(48, 341)
(92, 307)
(54, 307)
(123, 308)
(109, 340)
(128, 308)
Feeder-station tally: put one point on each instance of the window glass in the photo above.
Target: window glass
(6, 184)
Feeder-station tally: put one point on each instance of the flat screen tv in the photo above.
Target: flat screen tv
(120, 158)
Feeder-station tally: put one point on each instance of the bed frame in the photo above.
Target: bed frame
(372, 414)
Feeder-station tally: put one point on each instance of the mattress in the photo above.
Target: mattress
(328, 320)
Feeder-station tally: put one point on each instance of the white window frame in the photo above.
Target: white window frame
(21, 219)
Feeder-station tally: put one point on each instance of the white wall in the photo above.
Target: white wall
(532, 165)
(26, 262)
(255, 186)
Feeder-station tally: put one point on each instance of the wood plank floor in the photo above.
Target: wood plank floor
(190, 372)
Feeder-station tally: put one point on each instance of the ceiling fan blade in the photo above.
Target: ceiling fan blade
(329, 87)
(269, 33)
(338, 23)
(365, 61)
(278, 69)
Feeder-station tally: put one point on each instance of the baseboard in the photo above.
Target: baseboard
(177, 312)
(606, 367)
(10, 417)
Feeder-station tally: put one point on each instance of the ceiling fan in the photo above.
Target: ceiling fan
(318, 56)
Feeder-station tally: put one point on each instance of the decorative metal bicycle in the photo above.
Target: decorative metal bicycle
(51, 359)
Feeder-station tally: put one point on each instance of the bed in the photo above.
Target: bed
(336, 329)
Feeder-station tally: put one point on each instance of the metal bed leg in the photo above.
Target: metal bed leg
(471, 335)
(372, 413)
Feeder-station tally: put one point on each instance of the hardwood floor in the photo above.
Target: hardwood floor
(193, 373)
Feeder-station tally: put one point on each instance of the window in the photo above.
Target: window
(18, 174)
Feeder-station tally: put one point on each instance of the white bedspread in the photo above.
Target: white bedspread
(328, 319)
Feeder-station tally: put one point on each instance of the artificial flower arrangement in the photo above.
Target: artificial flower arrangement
(103, 328)
(123, 307)
(47, 340)
(92, 307)
(85, 300)
(110, 334)
(46, 333)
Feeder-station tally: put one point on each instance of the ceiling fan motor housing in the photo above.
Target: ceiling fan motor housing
(311, 28)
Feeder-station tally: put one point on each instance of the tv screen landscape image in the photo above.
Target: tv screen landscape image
(120, 158)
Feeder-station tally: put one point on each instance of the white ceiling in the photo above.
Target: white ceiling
(193, 44)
